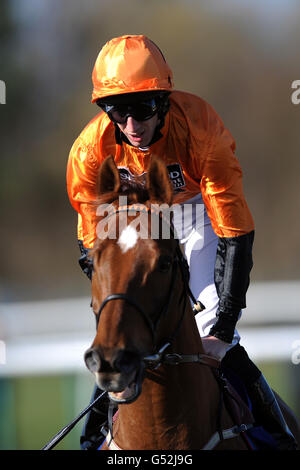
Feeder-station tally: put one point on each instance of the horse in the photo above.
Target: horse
(147, 352)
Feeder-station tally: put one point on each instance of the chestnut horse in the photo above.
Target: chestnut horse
(147, 352)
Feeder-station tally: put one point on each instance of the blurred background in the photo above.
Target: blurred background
(240, 56)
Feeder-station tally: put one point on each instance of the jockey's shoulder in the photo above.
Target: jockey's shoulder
(194, 109)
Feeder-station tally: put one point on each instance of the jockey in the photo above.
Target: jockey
(142, 115)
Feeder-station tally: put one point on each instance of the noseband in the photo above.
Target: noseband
(153, 361)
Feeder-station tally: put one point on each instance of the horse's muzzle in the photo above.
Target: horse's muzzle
(121, 375)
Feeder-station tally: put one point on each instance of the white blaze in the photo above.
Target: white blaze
(128, 238)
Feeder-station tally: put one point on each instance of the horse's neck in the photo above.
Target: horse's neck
(175, 402)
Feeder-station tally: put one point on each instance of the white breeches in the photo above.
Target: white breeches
(199, 243)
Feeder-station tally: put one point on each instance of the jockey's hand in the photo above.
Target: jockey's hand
(215, 347)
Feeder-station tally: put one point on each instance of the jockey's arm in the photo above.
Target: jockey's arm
(82, 171)
(232, 277)
(222, 191)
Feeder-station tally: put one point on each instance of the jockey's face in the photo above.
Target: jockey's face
(139, 133)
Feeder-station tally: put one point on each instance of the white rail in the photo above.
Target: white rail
(51, 336)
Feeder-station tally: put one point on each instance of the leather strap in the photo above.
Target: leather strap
(204, 359)
(230, 433)
(111, 443)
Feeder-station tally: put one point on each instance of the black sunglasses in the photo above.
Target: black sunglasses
(119, 113)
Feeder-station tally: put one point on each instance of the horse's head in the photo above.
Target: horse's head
(134, 278)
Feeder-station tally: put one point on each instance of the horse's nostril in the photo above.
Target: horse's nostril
(126, 361)
(92, 360)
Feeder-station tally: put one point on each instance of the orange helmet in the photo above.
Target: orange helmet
(130, 64)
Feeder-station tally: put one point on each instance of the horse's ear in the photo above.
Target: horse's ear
(109, 177)
(158, 182)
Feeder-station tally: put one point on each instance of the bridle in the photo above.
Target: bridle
(160, 357)
(179, 263)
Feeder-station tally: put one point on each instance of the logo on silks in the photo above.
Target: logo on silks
(127, 176)
(175, 173)
(176, 176)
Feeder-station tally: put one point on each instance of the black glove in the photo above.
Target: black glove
(232, 277)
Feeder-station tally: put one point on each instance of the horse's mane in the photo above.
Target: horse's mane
(112, 188)
(135, 192)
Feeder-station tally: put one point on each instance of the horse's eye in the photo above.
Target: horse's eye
(164, 263)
